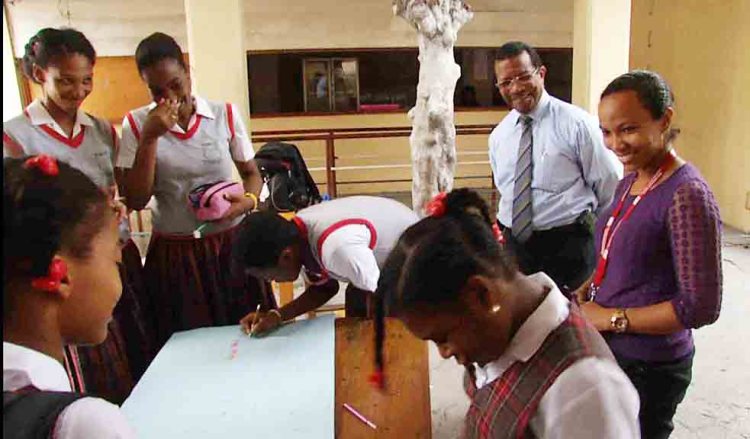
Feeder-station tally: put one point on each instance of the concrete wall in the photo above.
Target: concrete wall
(701, 48)
(294, 24)
(115, 27)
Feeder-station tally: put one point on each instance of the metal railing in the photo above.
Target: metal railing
(331, 135)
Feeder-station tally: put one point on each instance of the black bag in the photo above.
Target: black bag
(290, 185)
(33, 414)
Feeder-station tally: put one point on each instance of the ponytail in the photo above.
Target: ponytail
(434, 257)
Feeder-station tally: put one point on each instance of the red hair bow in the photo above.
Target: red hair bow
(45, 163)
(55, 274)
(498, 233)
(436, 206)
(377, 379)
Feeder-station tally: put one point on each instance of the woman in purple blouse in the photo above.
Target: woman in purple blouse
(659, 243)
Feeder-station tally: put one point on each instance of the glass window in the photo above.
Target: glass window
(317, 96)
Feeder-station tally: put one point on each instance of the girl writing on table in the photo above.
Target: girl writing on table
(534, 366)
(346, 239)
(60, 286)
(170, 147)
(61, 61)
(659, 269)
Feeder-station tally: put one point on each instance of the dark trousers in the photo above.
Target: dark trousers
(566, 253)
(661, 387)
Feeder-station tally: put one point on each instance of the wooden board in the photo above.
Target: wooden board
(402, 410)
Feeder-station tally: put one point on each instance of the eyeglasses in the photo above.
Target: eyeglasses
(523, 78)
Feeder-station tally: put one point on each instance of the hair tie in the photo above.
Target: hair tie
(436, 207)
(46, 164)
(55, 274)
(377, 379)
(498, 233)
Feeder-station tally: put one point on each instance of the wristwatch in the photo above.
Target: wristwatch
(619, 321)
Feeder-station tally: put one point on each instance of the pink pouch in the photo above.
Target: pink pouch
(208, 202)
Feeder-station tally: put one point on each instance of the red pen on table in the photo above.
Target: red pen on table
(359, 416)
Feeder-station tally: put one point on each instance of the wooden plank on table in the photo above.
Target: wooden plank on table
(402, 410)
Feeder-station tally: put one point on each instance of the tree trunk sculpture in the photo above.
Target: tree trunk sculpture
(433, 136)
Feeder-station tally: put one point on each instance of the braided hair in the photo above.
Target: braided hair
(435, 257)
(49, 44)
(44, 214)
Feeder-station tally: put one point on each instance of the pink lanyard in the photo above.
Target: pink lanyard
(609, 233)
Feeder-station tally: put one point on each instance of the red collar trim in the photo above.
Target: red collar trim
(300, 226)
(73, 142)
(191, 130)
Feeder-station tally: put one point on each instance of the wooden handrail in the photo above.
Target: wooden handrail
(360, 130)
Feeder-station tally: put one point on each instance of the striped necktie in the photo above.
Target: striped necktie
(522, 212)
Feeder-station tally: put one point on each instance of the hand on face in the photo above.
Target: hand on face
(161, 118)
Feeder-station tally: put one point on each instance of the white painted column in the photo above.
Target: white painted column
(601, 47)
(217, 57)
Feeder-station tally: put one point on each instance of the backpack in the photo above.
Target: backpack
(32, 414)
(290, 185)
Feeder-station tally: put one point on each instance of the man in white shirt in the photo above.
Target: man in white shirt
(552, 170)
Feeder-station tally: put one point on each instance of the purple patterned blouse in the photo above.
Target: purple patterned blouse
(669, 249)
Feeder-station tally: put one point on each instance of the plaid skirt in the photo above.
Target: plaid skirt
(192, 284)
(111, 369)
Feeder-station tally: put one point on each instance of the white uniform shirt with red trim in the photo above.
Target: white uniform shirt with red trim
(351, 237)
(216, 137)
(85, 418)
(91, 149)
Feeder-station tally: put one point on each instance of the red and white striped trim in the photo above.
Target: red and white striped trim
(347, 222)
(134, 127)
(230, 121)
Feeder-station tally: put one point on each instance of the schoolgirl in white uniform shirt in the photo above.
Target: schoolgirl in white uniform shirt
(346, 239)
(62, 62)
(60, 286)
(170, 147)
